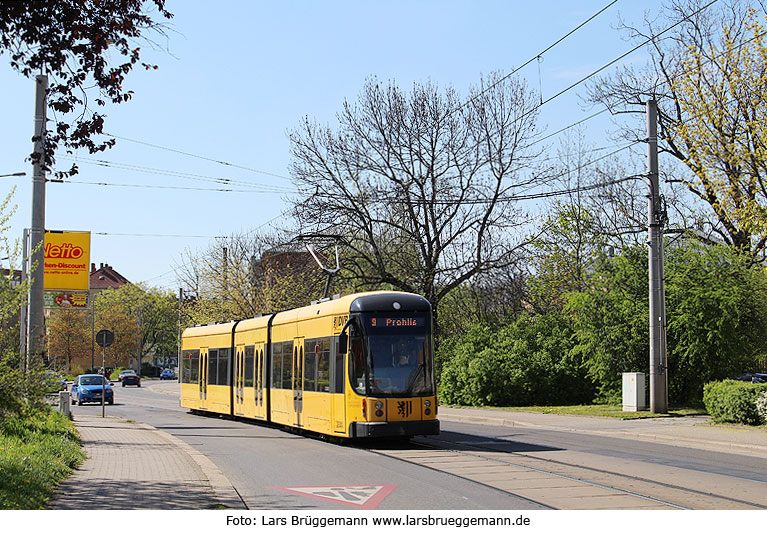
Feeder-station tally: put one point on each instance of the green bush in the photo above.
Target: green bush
(21, 392)
(524, 363)
(733, 401)
(716, 317)
(761, 406)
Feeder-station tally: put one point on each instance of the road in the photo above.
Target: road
(468, 466)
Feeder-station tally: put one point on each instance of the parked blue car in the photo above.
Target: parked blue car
(168, 373)
(88, 388)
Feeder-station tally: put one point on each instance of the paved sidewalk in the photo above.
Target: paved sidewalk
(136, 466)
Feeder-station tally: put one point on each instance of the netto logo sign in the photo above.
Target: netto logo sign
(65, 251)
(67, 256)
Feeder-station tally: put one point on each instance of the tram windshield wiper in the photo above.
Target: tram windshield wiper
(413, 380)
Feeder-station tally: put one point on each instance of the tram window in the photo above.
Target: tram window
(310, 366)
(356, 363)
(212, 366)
(223, 366)
(282, 365)
(190, 366)
(248, 369)
(277, 365)
(287, 365)
(323, 365)
(194, 371)
(185, 367)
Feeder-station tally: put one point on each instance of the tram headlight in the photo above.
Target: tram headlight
(427, 403)
(379, 405)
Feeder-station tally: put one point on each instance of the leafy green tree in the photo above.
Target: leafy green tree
(564, 254)
(717, 317)
(143, 319)
(610, 320)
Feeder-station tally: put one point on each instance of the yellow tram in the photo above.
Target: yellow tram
(359, 366)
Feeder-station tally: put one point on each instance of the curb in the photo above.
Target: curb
(223, 489)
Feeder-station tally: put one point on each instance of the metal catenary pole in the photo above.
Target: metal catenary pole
(655, 221)
(37, 231)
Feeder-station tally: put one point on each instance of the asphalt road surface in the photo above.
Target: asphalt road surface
(468, 466)
(275, 469)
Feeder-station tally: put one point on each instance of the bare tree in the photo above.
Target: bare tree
(418, 185)
(708, 73)
(245, 275)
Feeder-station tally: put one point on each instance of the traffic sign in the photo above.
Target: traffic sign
(105, 338)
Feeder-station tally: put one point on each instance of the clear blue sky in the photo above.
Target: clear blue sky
(237, 75)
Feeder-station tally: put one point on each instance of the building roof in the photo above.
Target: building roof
(106, 277)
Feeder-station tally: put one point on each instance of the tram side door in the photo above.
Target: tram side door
(298, 379)
(239, 379)
(260, 381)
(203, 373)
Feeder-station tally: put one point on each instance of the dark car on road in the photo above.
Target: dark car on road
(55, 382)
(130, 378)
(752, 378)
(89, 387)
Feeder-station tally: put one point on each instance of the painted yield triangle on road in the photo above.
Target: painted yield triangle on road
(360, 496)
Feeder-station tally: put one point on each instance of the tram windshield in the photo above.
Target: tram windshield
(397, 349)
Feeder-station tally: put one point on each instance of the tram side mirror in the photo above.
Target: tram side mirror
(343, 342)
(343, 338)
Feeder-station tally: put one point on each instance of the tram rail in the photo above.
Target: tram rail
(566, 484)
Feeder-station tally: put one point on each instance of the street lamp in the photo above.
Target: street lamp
(14, 175)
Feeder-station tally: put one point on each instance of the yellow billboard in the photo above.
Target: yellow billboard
(67, 255)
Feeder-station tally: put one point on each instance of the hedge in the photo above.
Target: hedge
(733, 401)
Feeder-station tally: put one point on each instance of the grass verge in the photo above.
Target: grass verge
(613, 411)
(37, 452)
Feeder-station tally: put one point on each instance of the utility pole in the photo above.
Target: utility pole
(36, 330)
(656, 218)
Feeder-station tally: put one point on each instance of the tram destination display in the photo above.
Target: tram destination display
(397, 322)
